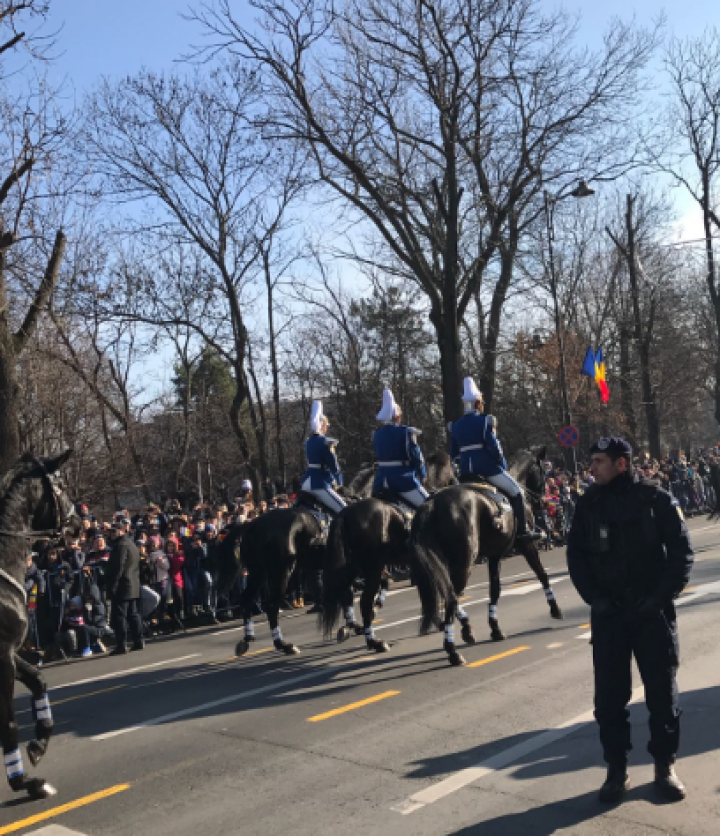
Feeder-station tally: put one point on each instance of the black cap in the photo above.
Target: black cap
(613, 446)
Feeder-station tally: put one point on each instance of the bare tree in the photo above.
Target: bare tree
(188, 147)
(694, 156)
(438, 122)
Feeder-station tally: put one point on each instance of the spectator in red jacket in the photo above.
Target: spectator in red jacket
(176, 558)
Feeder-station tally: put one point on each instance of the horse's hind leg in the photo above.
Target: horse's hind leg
(372, 585)
(382, 595)
(351, 624)
(36, 787)
(531, 555)
(496, 634)
(247, 599)
(278, 583)
(454, 657)
(34, 681)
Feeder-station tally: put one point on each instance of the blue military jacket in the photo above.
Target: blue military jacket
(323, 468)
(477, 445)
(401, 466)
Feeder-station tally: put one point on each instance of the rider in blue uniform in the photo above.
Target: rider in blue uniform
(323, 470)
(401, 466)
(475, 442)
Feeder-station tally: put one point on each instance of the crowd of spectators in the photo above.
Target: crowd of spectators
(70, 604)
(69, 599)
(686, 477)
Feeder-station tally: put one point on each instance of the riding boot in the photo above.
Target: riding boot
(667, 782)
(523, 535)
(616, 783)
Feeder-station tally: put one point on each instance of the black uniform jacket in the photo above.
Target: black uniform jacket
(629, 543)
(122, 578)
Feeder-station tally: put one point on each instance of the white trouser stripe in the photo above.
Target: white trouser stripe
(506, 483)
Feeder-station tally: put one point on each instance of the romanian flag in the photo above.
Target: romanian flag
(594, 367)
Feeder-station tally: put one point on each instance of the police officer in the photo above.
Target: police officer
(629, 556)
(475, 442)
(401, 467)
(323, 470)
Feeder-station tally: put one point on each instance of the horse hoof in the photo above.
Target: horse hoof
(242, 647)
(35, 752)
(467, 634)
(343, 634)
(497, 635)
(378, 646)
(455, 659)
(37, 789)
(249, 638)
(290, 650)
(555, 611)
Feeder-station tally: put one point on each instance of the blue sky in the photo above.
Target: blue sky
(110, 37)
(117, 37)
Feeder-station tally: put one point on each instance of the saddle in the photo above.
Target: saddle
(477, 483)
(407, 511)
(310, 503)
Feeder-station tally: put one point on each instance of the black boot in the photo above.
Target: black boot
(615, 785)
(667, 782)
(522, 535)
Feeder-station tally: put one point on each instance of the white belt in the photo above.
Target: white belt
(393, 464)
(472, 447)
(316, 466)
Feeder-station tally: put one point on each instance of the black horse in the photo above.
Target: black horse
(454, 528)
(269, 548)
(364, 538)
(30, 505)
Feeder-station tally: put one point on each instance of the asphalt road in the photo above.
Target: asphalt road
(183, 738)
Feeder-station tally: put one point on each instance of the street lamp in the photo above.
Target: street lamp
(580, 191)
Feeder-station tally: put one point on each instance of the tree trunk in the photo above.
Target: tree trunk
(275, 373)
(626, 401)
(490, 348)
(447, 333)
(9, 434)
(648, 393)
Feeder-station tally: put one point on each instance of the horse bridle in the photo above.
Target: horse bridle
(60, 516)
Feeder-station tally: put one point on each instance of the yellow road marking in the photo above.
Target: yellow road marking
(378, 621)
(688, 589)
(466, 598)
(91, 694)
(521, 583)
(63, 808)
(583, 626)
(499, 656)
(352, 706)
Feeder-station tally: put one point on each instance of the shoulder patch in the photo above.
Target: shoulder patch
(492, 421)
(331, 442)
(414, 431)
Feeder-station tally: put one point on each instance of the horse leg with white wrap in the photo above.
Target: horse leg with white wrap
(367, 599)
(35, 787)
(34, 681)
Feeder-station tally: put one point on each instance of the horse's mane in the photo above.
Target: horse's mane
(362, 483)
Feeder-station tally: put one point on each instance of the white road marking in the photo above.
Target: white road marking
(471, 774)
(55, 830)
(117, 674)
(699, 591)
(587, 635)
(555, 645)
(196, 709)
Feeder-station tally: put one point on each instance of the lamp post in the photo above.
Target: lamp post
(582, 190)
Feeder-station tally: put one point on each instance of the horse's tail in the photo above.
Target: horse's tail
(336, 579)
(429, 573)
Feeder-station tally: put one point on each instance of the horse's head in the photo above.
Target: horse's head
(361, 485)
(440, 471)
(526, 467)
(44, 506)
